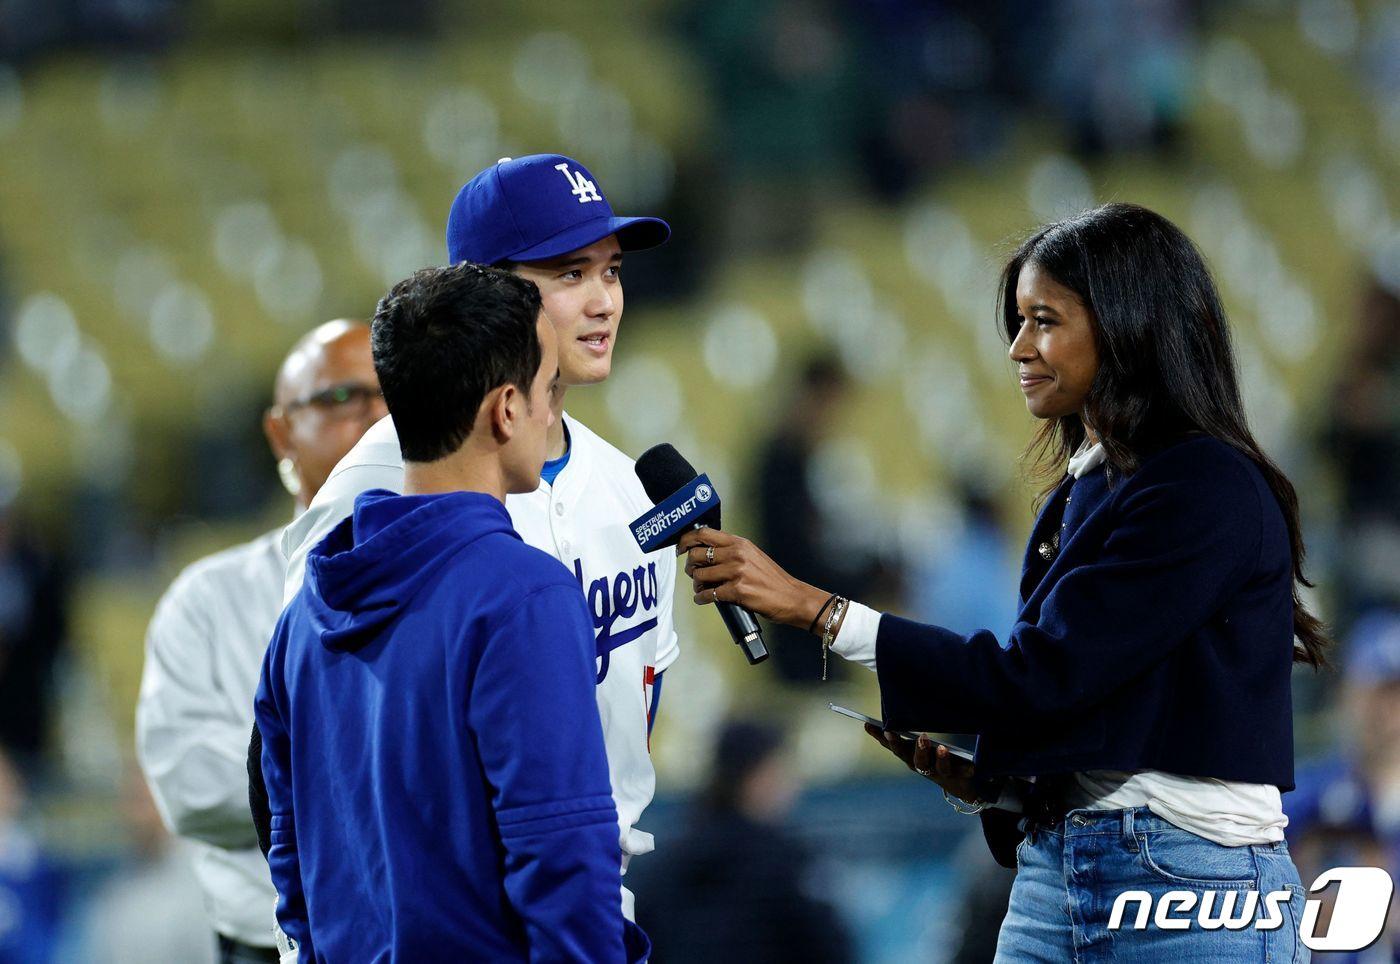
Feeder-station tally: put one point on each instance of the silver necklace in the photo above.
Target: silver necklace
(1049, 550)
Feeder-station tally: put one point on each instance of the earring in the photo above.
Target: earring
(287, 472)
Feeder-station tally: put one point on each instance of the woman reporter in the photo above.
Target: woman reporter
(1146, 683)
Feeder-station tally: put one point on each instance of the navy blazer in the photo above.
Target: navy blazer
(1160, 636)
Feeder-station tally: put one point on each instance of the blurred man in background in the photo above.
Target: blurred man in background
(968, 580)
(1363, 436)
(1346, 808)
(789, 516)
(327, 395)
(33, 627)
(737, 886)
(205, 644)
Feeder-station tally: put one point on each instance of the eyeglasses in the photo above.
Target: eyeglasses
(343, 401)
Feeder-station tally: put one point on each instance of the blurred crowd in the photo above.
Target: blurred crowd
(793, 80)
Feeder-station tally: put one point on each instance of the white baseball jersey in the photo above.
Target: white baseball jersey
(581, 520)
(204, 654)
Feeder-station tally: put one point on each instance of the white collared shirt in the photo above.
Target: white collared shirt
(1226, 812)
(204, 653)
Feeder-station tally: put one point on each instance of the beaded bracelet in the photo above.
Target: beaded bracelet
(828, 631)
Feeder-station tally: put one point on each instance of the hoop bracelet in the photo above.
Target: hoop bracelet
(817, 618)
(961, 807)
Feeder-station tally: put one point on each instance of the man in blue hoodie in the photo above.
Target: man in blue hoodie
(431, 742)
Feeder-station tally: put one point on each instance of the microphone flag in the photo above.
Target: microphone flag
(664, 524)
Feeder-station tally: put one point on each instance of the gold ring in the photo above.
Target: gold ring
(714, 594)
(709, 555)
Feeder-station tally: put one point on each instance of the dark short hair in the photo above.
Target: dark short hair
(442, 339)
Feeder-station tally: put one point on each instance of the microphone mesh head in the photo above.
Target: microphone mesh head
(663, 471)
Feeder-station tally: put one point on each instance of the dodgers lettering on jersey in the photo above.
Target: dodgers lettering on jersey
(615, 598)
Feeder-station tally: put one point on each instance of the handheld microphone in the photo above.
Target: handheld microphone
(686, 500)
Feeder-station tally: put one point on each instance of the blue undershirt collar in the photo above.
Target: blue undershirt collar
(553, 467)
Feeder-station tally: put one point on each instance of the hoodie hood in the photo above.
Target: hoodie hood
(362, 575)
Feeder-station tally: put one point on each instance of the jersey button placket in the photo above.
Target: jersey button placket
(560, 530)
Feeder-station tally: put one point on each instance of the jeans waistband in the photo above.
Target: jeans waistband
(1117, 823)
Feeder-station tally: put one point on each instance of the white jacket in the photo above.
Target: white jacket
(204, 652)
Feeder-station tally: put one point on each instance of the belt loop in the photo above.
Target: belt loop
(1128, 824)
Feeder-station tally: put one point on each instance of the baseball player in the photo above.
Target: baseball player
(205, 645)
(545, 218)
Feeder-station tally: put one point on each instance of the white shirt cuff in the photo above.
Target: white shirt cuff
(856, 641)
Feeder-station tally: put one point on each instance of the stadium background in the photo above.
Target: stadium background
(186, 187)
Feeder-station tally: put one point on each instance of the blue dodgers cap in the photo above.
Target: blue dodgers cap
(537, 207)
(1373, 648)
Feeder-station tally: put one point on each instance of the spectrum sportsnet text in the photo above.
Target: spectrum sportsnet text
(665, 521)
(1358, 912)
(662, 524)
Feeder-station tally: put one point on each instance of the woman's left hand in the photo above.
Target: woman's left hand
(930, 762)
(728, 568)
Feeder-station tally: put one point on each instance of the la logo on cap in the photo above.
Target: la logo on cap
(583, 189)
(515, 210)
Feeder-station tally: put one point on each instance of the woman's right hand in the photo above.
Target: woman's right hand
(730, 568)
(927, 760)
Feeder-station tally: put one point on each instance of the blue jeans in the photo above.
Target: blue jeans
(1069, 875)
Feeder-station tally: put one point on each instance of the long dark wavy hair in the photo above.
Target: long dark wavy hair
(1166, 365)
